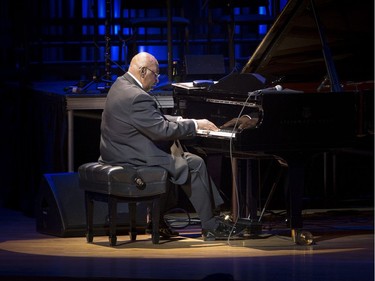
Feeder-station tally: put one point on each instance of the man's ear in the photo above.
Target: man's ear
(143, 71)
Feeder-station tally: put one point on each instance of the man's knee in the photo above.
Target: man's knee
(195, 162)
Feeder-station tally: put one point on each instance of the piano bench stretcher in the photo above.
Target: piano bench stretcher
(113, 184)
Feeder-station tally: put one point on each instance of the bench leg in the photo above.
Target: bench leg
(89, 206)
(133, 214)
(155, 220)
(112, 211)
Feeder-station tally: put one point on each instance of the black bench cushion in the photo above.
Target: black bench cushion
(121, 180)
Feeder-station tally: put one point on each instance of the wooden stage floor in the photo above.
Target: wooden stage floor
(343, 250)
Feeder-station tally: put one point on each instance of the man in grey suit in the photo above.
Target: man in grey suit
(133, 127)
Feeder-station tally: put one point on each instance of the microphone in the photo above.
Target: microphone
(277, 88)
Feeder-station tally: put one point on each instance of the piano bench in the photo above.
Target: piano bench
(113, 184)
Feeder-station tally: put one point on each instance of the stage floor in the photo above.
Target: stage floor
(343, 250)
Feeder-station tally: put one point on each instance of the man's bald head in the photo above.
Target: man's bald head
(140, 65)
(142, 59)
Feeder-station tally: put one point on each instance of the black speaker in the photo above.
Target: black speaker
(60, 209)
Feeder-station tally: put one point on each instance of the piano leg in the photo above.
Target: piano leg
(295, 189)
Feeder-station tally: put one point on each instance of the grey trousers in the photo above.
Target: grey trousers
(201, 191)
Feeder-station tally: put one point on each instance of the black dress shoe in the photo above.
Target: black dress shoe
(223, 231)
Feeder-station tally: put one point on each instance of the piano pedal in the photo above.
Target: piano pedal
(252, 228)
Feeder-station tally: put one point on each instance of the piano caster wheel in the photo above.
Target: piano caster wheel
(89, 237)
(133, 235)
(302, 237)
(112, 240)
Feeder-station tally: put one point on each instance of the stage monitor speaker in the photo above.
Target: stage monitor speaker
(60, 209)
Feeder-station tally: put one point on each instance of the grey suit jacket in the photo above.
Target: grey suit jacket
(132, 125)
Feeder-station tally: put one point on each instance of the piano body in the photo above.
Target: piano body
(321, 52)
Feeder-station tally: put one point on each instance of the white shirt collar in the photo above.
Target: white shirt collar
(139, 83)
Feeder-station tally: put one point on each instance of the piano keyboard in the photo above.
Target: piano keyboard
(227, 134)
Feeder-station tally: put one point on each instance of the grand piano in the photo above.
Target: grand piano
(321, 53)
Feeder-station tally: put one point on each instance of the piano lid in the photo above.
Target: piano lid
(292, 50)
